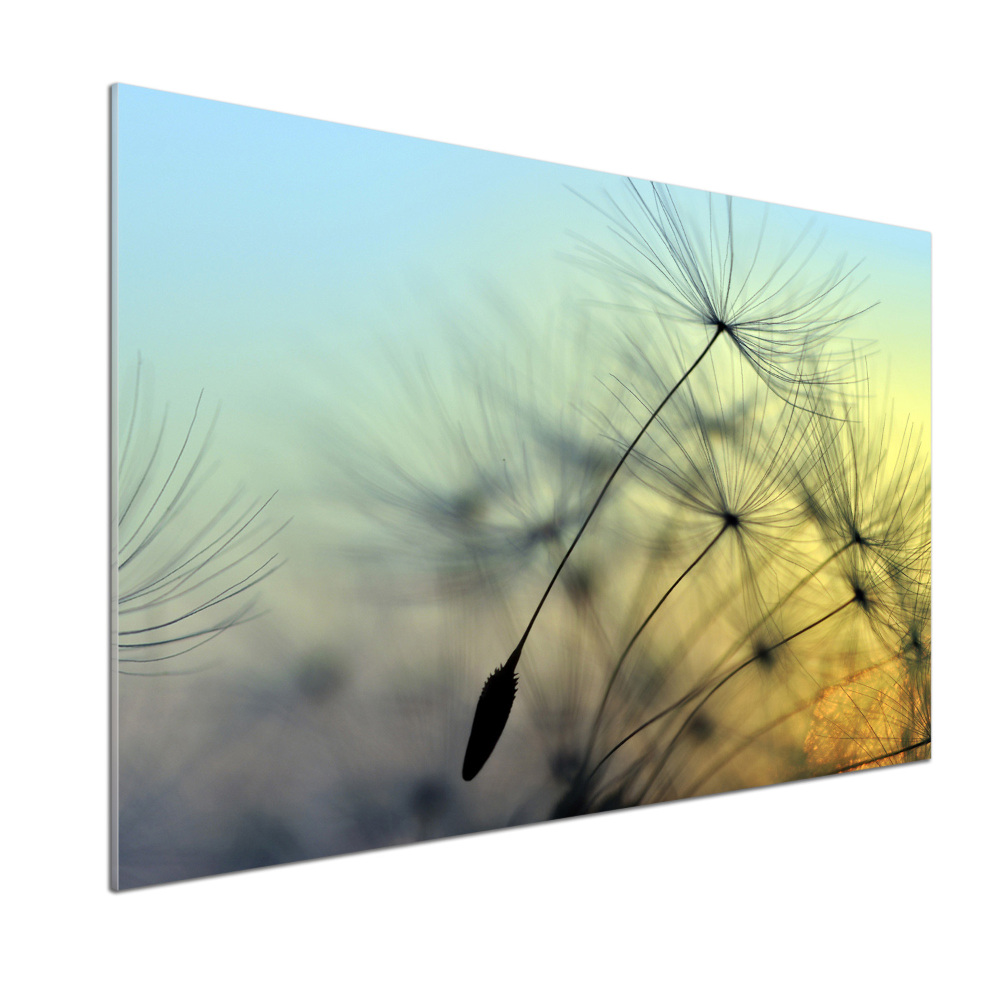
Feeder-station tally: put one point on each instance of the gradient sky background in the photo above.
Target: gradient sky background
(249, 240)
(293, 269)
(280, 263)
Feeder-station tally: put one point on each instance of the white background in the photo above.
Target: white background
(856, 885)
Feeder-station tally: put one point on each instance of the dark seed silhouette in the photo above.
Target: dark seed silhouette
(720, 292)
(494, 705)
(491, 716)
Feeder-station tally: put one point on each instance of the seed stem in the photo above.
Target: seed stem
(468, 772)
(782, 601)
(885, 756)
(614, 472)
(621, 659)
(728, 677)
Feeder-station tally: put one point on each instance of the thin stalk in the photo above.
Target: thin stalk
(497, 696)
(614, 472)
(810, 702)
(698, 629)
(885, 756)
(785, 598)
(621, 659)
(728, 677)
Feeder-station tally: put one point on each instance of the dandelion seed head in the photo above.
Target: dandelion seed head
(565, 764)
(727, 451)
(492, 712)
(482, 494)
(550, 530)
(765, 655)
(869, 487)
(580, 583)
(701, 728)
(188, 569)
(468, 507)
(778, 305)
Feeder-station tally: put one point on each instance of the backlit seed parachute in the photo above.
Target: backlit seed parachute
(491, 716)
(777, 302)
(877, 717)
(186, 572)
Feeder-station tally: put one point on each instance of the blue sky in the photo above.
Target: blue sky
(260, 252)
(304, 275)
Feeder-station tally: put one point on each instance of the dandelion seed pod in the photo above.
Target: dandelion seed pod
(491, 716)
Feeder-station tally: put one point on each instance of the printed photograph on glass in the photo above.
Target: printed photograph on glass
(458, 491)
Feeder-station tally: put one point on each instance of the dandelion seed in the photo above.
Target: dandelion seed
(485, 497)
(492, 712)
(780, 324)
(869, 489)
(728, 455)
(776, 314)
(179, 578)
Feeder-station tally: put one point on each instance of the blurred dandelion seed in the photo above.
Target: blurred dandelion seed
(182, 576)
(878, 717)
(780, 324)
(483, 498)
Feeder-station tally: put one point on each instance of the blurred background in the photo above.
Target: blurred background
(383, 366)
